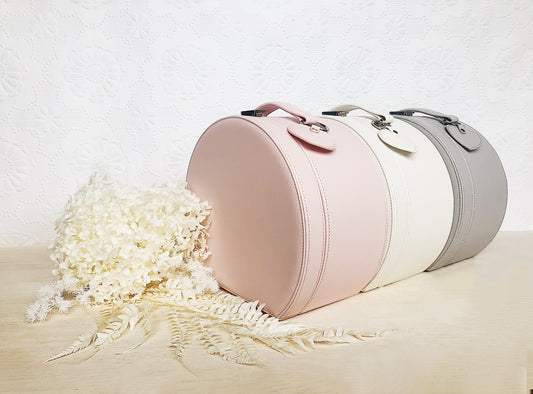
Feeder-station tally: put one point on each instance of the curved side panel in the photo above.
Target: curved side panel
(358, 215)
(479, 187)
(257, 229)
(421, 199)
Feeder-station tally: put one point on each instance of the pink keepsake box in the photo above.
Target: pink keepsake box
(300, 208)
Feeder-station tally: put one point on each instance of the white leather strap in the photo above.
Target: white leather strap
(343, 110)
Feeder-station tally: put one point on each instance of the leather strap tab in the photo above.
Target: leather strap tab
(309, 129)
(461, 133)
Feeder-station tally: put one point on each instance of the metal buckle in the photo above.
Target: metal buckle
(321, 127)
(446, 121)
(335, 113)
(380, 124)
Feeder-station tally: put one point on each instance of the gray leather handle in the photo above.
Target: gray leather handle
(444, 119)
(463, 134)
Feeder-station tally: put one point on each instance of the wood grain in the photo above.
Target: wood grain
(461, 329)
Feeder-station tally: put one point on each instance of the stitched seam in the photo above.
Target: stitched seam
(472, 217)
(461, 193)
(399, 210)
(390, 219)
(469, 227)
(306, 239)
(325, 231)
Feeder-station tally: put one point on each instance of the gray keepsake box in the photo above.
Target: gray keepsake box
(478, 181)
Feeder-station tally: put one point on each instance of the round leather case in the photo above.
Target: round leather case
(421, 196)
(300, 208)
(478, 180)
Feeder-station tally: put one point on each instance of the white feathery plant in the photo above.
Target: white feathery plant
(127, 251)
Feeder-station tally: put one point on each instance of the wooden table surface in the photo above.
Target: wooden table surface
(466, 328)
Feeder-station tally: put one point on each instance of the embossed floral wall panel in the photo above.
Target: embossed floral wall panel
(131, 84)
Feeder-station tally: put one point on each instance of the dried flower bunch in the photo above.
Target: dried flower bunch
(126, 250)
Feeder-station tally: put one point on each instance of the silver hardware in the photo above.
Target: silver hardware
(317, 126)
(380, 124)
(446, 121)
(335, 113)
(321, 126)
(259, 113)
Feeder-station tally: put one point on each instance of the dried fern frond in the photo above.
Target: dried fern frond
(144, 320)
(245, 349)
(180, 332)
(116, 325)
(105, 312)
(280, 345)
(81, 343)
(217, 315)
(308, 338)
(212, 337)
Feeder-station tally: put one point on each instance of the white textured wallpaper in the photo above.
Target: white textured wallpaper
(132, 84)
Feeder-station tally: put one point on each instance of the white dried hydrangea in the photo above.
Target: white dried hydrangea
(129, 249)
(55, 296)
(116, 241)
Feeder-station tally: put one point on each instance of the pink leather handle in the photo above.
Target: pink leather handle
(267, 108)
